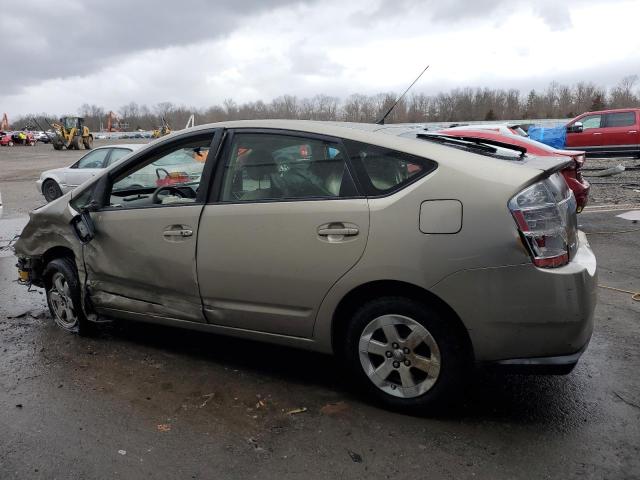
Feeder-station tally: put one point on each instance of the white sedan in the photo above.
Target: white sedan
(55, 183)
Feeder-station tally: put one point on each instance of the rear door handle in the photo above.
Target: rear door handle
(347, 231)
(632, 131)
(597, 133)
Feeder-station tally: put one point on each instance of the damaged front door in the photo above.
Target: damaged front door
(141, 262)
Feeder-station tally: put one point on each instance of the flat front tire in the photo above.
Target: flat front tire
(64, 297)
(405, 354)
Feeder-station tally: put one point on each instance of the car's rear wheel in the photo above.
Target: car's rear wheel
(63, 296)
(51, 190)
(405, 353)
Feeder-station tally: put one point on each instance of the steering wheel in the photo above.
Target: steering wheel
(155, 198)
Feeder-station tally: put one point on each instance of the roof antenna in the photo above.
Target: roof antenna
(381, 121)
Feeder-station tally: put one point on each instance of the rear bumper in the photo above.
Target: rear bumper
(523, 315)
(558, 365)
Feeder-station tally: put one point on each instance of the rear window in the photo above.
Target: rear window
(622, 119)
(382, 171)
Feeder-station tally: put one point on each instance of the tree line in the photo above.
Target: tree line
(457, 105)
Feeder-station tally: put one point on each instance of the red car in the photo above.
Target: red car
(606, 133)
(6, 139)
(572, 174)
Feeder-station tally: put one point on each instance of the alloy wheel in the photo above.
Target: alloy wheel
(399, 356)
(61, 302)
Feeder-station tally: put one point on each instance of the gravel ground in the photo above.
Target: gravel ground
(618, 189)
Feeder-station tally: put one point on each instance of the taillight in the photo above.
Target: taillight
(545, 214)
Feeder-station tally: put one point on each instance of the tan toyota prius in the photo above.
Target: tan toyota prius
(410, 256)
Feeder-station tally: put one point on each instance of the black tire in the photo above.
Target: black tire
(453, 354)
(51, 190)
(88, 142)
(76, 142)
(57, 146)
(66, 268)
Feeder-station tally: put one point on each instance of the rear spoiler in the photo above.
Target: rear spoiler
(547, 164)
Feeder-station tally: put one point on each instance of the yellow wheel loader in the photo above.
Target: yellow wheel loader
(72, 134)
(161, 131)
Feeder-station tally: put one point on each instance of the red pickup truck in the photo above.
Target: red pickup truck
(608, 133)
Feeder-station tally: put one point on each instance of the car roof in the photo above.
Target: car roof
(614, 110)
(130, 146)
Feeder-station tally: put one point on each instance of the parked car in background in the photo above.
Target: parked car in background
(606, 133)
(572, 173)
(335, 238)
(6, 139)
(55, 183)
(43, 137)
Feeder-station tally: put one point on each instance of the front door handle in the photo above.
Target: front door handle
(178, 231)
(632, 131)
(346, 231)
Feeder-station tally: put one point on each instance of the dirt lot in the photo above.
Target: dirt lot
(142, 401)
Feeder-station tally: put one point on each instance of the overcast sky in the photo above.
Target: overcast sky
(60, 54)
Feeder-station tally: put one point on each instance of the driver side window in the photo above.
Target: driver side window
(592, 121)
(168, 175)
(94, 159)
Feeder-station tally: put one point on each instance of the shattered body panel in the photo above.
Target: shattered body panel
(49, 228)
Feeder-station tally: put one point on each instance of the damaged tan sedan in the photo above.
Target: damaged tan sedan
(412, 259)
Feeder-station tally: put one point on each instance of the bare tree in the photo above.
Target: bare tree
(622, 95)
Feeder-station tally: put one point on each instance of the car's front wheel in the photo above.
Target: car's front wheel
(51, 190)
(64, 297)
(405, 353)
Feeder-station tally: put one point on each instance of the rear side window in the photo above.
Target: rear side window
(382, 171)
(622, 119)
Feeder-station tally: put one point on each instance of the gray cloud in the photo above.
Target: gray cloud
(556, 14)
(63, 39)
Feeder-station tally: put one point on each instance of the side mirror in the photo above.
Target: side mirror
(577, 127)
(99, 194)
(83, 227)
